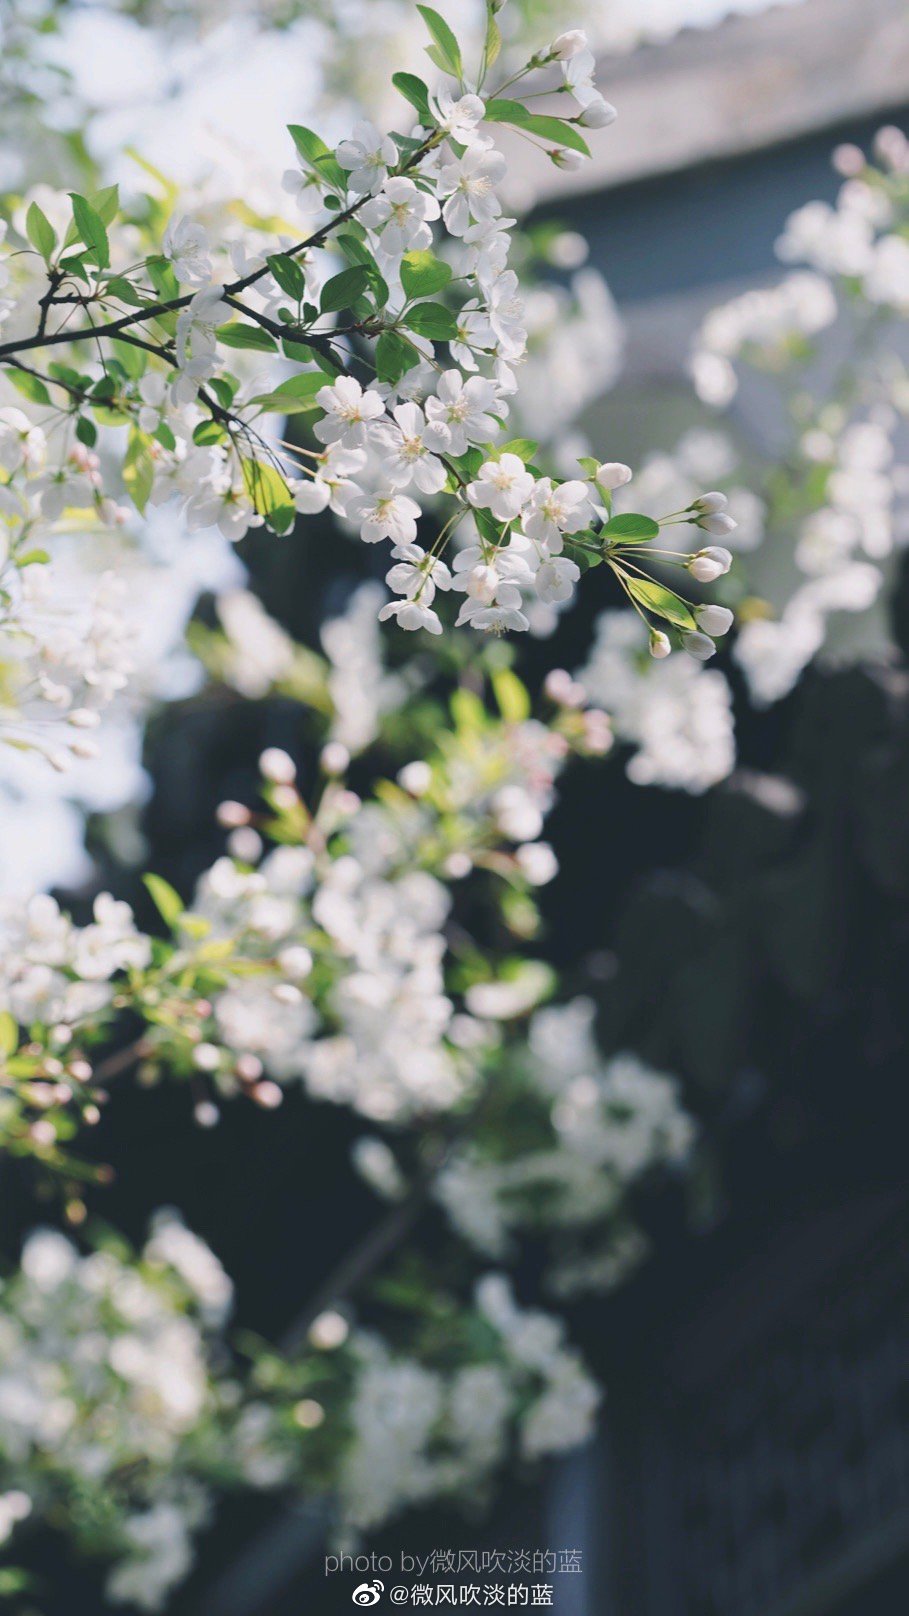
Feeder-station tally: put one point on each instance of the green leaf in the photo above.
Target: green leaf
(40, 231)
(289, 275)
(446, 44)
(344, 288)
(524, 448)
(134, 360)
(583, 558)
(493, 44)
(168, 903)
(86, 432)
(423, 274)
(266, 487)
(9, 1033)
(106, 202)
(536, 123)
(431, 320)
(394, 355)
(209, 432)
(91, 231)
(654, 598)
(314, 151)
(238, 334)
(511, 695)
(30, 386)
(294, 396)
(161, 274)
(138, 469)
(414, 91)
(631, 525)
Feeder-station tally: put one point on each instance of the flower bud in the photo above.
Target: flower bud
(714, 620)
(329, 1330)
(567, 45)
(613, 474)
(598, 114)
(848, 160)
(277, 766)
(660, 645)
(245, 844)
(295, 961)
(708, 504)
(415, 777)
(709, 564)
(335, 758)
(564, 157)
(232, 814)
(206, 1057)
(718, 523)
(699, 646)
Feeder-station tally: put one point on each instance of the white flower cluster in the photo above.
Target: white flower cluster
(769, 323)
(374, 1026)
(844, 498)
(103, 1369)
(604, 1124)
(56, 973)
(678, 718)
(379, 933)
(420, 1433)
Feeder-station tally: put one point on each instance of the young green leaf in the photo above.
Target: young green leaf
(524, 448)
(344, 288)
(138, 469)
(9, 1033)
(536, 123)
(414, 91)
(423, 274)
(631, 525)
(314, 151)
(394, 355)
(238, 334)
(168, 903)
(289, 275)
(30, 386)
(294, 396)
(431, 320)
(654, 598)
(266, 487)
(446, 44)
(91, 231)
(40, 231)
(511, 695)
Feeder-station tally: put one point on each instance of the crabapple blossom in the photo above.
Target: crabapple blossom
(367, 155)
(503, 487)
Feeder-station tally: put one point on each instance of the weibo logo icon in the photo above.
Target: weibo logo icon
(368, 1593)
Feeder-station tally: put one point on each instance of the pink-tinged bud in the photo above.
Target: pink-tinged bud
(660, 645)
(335, 758)
(567, 45)
(277, 766)
(848, 160)
(564, 157)
(232, 814)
